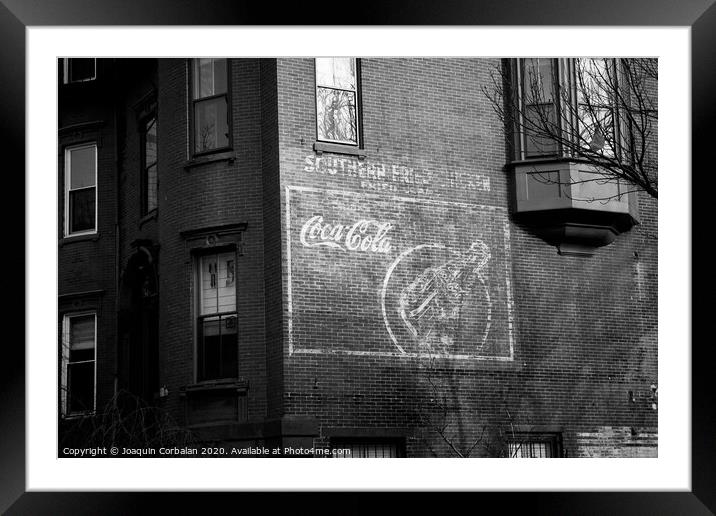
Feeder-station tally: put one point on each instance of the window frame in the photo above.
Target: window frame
(144, 167)
(192, 102)
(65, 362)
(556, 74)
(616, 69)
(67, 69)
(553, 440)
(67, 190)
(398, 443)
(358, 104)
(564, 82)
(198, 316)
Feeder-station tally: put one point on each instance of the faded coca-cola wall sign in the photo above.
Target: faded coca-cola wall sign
(393, 276)
(364, 235)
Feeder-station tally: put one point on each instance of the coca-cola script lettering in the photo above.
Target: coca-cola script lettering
(363, 236)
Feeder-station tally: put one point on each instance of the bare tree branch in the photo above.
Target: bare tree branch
(601, 112)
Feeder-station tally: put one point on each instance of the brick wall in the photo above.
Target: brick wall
(86, 263)
(192, 197)
(583, 329)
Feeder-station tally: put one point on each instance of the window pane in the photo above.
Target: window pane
(596, 129)
(595, 102)
(151, 188)
(81, 69)
(150, 143)
(539, 122)
(209, 352)
(82, 332)
(366, 450)
(227, 286)
(211, 125)
(229, 347)
(82, 167)
(218, 353)
(220, 76)
(530, 450)
(80, 384)
(336, 114)
(218, 285)
(593, 80)
(209, 77)
(209, 285)
(538, 81)
(82, 210)
(203, 78)
(337, 72)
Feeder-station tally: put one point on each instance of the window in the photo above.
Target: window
(81, 189)
(595, 104)
(149, 165)
(534, 446)
(210, 105)
(78, 373)
(566, 106)
(217, 332)
(80, 70)
(539, 106)
(337, 99)
(368, 448)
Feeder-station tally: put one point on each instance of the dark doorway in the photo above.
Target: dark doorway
(139, 322)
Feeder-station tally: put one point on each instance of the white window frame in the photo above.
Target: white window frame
(66, 71)
(65, 350)
(356, 91)
(68, 174)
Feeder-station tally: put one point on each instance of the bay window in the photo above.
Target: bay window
(566, 107)
(569, 150)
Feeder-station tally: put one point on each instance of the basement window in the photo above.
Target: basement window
(367, 448)
(532, 445)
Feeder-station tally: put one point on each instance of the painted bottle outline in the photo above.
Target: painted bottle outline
(434, 301)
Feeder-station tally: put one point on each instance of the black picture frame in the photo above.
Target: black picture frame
(17, 15)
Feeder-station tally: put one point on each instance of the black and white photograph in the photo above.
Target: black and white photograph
(424, 242)
(348, 257)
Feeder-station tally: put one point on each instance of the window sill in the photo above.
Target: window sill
(90, 237)
(78, 415)
(238, 385)
(152, 215)
(337, 148)
(229, 156)
(546, 160)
